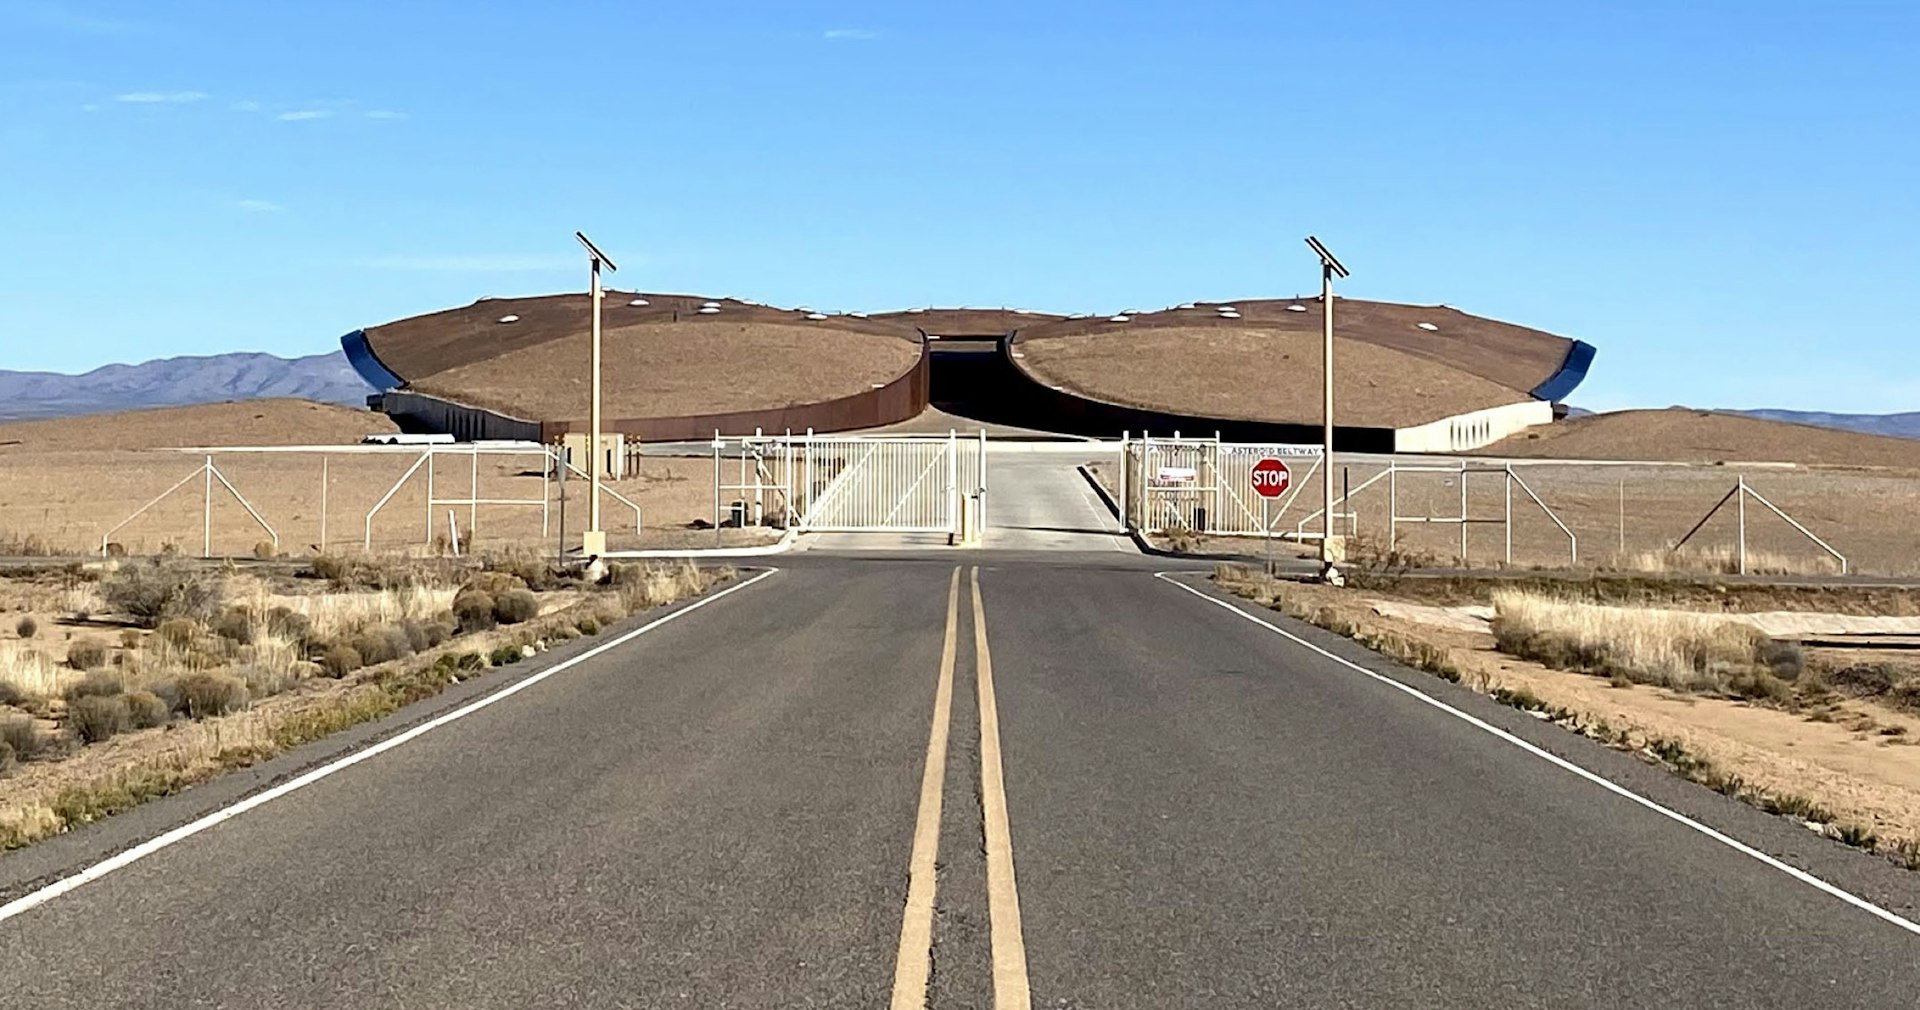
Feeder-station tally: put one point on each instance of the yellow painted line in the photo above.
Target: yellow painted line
(913, 963)
(1010, 991)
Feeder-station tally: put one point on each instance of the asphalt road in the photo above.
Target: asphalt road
(1197, 812)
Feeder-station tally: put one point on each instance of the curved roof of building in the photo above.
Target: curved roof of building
(681, 355)
(1403, 364)
(663, 358)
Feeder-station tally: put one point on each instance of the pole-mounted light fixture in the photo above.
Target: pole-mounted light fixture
(1330, 267)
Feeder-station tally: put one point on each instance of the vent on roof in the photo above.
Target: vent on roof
(509, 319)
(637, 302)
(816, 316)
(1296, 308)
(708, 310)
(1429, 327)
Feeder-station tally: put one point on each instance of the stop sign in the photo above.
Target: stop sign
(1270, 478)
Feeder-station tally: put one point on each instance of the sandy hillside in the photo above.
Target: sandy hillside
(1694, 435)
(1258, 374)
(244, 422)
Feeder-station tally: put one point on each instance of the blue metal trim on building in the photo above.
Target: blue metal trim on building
(360, 355)
(1572, 371)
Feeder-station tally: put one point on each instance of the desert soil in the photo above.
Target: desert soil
(1846, 765)
(1679, 433)
(246, 422)
(1865, 514)
(65, 502)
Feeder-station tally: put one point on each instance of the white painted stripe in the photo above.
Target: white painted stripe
(185, 831)
(1008, 945)
(1610, 786)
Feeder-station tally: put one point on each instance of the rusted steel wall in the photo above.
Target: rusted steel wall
(896, 401)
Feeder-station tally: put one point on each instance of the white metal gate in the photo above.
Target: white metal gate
(1205, 485)
(856, 483)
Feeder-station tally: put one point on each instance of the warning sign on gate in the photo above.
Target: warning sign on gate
(1270, 478)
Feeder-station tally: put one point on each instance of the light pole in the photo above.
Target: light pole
(593, 543)
(1329, 267)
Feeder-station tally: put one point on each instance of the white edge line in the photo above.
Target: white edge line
(147, 848)
(1612, 787)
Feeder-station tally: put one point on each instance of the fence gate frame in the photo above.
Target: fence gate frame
(835, 483)
(1218, 500)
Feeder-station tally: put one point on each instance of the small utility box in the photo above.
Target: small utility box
(613, 453)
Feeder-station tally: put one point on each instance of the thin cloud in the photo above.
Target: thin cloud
(62, 18)
(257, 206)
(245, 106)
(161, 97)
(488, 263)
(849, 34)
(299, 115)
(386, 114)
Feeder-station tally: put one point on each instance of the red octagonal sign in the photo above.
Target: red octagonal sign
(1270, 478)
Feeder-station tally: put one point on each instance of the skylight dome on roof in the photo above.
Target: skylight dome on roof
(708, 310)
(709, 305)
(816, 316)
(1296, 308)
(1429, 327)
(509, 319)
(637, 302)
(1122, 318)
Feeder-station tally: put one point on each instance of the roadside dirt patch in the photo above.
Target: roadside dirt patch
(268, 665)
(1852, 757)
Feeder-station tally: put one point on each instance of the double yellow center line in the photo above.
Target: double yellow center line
(913, 963)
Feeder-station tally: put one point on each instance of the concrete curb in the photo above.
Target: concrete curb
(1139, 541)
(781, 546)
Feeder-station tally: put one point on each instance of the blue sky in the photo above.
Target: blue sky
(1723, 196)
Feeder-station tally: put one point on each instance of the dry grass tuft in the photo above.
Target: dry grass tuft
(336, 615)
(28, 671)
(158, 591)
(1725, 560)
(1675, 649)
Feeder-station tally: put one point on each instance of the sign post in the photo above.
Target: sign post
(1270, 480)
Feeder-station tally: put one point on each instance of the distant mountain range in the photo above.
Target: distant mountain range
(174, 382)
(1905, 425)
